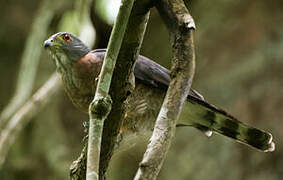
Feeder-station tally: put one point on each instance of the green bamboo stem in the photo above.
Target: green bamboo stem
(101, 104)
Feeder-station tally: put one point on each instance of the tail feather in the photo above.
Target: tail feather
(207, 118)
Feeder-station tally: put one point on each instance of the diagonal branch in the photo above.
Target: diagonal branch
(26, 112)
(181, 26)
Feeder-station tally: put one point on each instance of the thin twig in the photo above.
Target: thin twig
(26, 112)
(101, 104)
(180, 25)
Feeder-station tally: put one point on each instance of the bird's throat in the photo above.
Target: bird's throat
(63, 64)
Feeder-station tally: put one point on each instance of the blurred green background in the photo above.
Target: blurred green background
(239, 50)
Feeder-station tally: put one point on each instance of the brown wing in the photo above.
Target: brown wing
(150, 73)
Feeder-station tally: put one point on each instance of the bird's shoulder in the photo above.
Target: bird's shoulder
(150, 73)
(88, 64)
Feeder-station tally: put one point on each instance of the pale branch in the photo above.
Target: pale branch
(123, 72)
(181, 26)
(101, 104)
(32, 107)
(30, 59)
(123, 80)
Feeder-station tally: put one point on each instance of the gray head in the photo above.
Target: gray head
(66, 47)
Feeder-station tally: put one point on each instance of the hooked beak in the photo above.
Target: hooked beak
(47, 43)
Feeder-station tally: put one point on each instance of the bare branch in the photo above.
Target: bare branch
(180, 25)
(26, 112)
(101, 104)
(123, 72)
(123, 83)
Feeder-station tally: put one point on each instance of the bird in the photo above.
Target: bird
(80, 66)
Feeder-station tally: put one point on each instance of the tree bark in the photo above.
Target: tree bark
(123, 79)
(123, 72)
(101, 104)
(180, 25)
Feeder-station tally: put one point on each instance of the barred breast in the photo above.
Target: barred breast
(142, 108)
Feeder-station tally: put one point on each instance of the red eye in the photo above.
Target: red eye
(67, 38)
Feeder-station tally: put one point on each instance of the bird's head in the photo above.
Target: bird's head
(65, 48)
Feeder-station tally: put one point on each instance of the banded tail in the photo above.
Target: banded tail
(209, 118)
